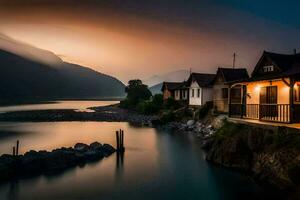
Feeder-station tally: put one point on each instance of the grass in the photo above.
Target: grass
(230, 129)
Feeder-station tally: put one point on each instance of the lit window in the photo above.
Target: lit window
(268, 68)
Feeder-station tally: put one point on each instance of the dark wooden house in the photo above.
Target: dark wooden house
(273, 91)
(221, 84)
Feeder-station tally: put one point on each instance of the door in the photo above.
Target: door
(268, 102)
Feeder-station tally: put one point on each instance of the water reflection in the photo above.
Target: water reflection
(13, 191)
(156, 165)
(119, 165)
(81, 106)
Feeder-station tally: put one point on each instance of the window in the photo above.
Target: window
(268, 68)
(198, 93)
(225, 93)
(193, 93)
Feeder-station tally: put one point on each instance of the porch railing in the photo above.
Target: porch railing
(264, 112)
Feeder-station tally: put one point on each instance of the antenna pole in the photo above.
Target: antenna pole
(234, 59)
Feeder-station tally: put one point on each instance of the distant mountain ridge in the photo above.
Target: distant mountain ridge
(174, 76)
(23, 77)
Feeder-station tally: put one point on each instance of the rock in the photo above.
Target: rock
(80, 147)
(7, 166)
(94, 154)
(218, 122)
(34, 162)
(96, 146)
(108, 149)
(271, 156)
(190, 123)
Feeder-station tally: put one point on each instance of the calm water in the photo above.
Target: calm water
(156, 165)
(77, 105)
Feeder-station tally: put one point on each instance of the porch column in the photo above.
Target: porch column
(292, 83)
(229, 101)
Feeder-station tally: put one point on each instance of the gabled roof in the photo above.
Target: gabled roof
(288, 64)
(203, 80)
(171, 85)
(233, 74)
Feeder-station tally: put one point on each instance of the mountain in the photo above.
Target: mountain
(174, 76)
(28, 51)
(156, 89)
(26, 76)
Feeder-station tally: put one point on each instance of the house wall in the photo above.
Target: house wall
(181, 95)
(253, 97)
(185, 94)
(207, 95)
(166, 94)
(177, 95)
(220, 103)
(195, 100)
(253, 91)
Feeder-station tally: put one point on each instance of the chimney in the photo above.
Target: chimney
(295, 51)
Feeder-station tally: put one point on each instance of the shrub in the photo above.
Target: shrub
(136, 93)
(151, 107)
(203, 111)
(171, 103)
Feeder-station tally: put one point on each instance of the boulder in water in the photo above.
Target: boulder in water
(80, 147)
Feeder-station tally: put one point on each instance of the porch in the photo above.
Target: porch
(274, 100)
(264, 124)
(264, 112)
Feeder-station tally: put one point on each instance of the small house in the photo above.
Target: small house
(272, 93)
(200, 88)
(176, 90)
(221, 84)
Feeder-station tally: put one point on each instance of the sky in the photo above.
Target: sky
(140, 38)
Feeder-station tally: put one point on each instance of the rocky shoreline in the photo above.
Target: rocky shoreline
(44, 162)
(271, 157)
(106, 113)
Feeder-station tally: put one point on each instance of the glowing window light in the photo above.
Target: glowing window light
(257, 88)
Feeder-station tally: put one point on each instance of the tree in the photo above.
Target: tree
(136, 92)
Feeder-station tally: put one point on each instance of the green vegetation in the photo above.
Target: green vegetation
(152, 106)
(137, 92)
(287, 137)
(203, 111)
(229, 129)
(140, 99)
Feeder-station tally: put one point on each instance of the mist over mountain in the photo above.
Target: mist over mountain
(29, 72)
(174, 76)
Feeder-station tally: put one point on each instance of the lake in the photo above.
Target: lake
(157, 165)
(56, 105)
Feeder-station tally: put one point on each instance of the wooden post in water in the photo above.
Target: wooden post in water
(17, 149)
(117, 138)
(120, 140)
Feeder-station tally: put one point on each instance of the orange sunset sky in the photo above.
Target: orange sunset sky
(131, 39)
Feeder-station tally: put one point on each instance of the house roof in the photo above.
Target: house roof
(171, 85)
(233, 74)
(288, 65)
(203, 80)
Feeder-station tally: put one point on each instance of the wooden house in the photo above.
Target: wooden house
(176, 90)
(200, 88)
(272, 93)
(221, 84)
